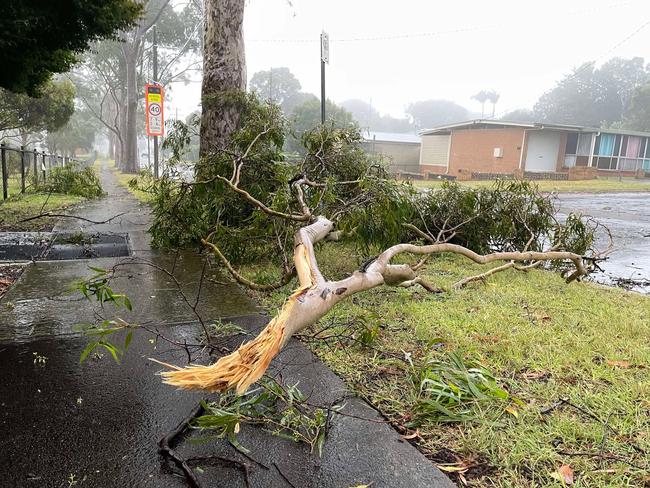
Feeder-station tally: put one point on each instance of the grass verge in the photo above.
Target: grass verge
(517, 382)
(124, 179)
(601, 185)
(20, 207)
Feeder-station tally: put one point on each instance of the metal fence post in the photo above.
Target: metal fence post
(22, 169)
(35, 168)
(4, 172)
(43, 166)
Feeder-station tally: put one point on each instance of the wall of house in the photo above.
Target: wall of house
(402, 156)
(433, 153)
(473, 149)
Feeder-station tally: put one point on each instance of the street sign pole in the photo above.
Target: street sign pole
(155, 80)
(324, 58)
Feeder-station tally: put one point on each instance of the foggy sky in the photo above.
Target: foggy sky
(391, 52)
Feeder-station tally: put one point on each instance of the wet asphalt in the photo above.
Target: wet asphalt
(627, 215)
(97, 424)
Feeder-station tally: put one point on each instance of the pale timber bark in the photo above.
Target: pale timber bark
(316, 296)
(224, 72)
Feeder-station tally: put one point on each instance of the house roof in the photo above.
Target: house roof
(395, 137)
(445, 129)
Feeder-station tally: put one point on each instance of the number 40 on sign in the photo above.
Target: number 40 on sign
(155, 120)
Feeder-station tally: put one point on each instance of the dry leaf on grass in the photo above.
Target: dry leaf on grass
(513, 411)
(453, 468)
(619, 364)
(564, 474)
(536, 375)
(412, 436)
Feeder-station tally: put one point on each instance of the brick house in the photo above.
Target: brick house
(488, 148)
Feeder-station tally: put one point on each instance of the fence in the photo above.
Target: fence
(23, 168)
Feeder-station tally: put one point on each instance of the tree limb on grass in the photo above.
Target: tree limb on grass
(316, 296)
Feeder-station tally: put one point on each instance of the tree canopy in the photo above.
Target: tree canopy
(593, 96)
(48, 112)
(637, 114)
(41, 37)
(278, 85)
(78, 133)
(370, 118)
(429, 113)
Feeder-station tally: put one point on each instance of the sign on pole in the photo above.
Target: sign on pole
(325, 47)
(155, 117)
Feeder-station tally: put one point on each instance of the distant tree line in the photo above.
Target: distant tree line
(616, 94)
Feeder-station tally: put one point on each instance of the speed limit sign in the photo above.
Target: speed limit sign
(154, 96)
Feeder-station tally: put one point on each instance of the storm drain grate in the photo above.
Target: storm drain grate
(41, 246)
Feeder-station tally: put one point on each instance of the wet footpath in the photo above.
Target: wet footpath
(98, 423)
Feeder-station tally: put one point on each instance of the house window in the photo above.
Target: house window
(584, 145)
(570, 149)
(571, 143)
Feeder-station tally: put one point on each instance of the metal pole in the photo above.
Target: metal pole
(35, 168)
(4, 172)
(155, 80)
(22, 169)
(322, 91)
(44, 175)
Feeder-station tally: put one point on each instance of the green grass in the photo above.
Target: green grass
(542, 339)
(20, 207)
(601, 185)
(124, 178)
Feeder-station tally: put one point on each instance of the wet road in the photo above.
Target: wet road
(627, 215)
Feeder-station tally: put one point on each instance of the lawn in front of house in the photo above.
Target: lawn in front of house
(574, 360)
(600, 185)
(22, 206)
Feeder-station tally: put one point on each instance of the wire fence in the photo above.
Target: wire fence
(23, 169)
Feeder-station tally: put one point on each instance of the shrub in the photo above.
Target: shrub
(72, 180)
(349, 186)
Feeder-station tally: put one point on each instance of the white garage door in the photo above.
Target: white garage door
(543, 147)
(434, 149)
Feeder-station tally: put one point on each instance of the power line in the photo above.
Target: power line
(589, 64)
(419, 35)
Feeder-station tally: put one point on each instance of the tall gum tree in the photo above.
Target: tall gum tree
(224, 72)
(300, 203)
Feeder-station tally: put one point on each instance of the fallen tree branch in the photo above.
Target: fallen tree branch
(316, 296)
(286, 277)
(267, 210)
(167, 443)
(480, 277)
(67, 216)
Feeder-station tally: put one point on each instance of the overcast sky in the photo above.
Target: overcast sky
(392, 52)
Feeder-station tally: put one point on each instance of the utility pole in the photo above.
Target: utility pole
(324, 58)
(155, 80)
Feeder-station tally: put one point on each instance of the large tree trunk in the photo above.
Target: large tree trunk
(130, 163)
(111, 145)
(120, 147)
(224, 72)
